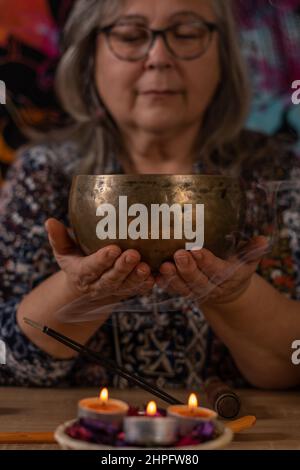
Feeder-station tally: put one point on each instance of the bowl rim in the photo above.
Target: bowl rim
(160, 176)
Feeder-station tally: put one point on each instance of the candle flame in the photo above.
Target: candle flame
(193, 402)
(104, 395)
(151, 408)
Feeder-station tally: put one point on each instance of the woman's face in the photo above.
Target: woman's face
(131, 91)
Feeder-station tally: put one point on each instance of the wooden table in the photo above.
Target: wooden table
(25, 410)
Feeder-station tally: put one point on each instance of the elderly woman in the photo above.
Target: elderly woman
(153, 87)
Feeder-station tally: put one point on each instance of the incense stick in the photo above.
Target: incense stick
(107, 363)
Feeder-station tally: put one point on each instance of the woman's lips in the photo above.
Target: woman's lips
(160, 93)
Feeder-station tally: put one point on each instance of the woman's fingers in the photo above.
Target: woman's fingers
(82, 270)
(59, 238)
(140, 280)
(171, 281)
(189, 271)
(127, 278)
(219, 270)
(124, 265)
(187, 279)
(108, 268)
(214, 268)
(196, 272)
(94, 266)
(205, 276)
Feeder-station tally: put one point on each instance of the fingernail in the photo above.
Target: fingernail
(197, 253)
(112, 254)
(141, 272)
(165, 269)
(182, 260)
(130, 259)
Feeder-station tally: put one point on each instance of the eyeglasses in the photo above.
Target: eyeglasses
(185, 41)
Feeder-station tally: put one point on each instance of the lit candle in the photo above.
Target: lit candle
(103, 408)
(188, 416)
(151, 428)
(151, 409)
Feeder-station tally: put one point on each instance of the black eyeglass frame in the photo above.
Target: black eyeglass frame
(155, 33)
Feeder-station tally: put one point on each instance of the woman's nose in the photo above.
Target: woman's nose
(159, 55)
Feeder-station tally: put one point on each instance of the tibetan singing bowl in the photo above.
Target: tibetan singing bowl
(157, 214)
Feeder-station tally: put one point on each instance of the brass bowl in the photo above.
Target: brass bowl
(223, 199)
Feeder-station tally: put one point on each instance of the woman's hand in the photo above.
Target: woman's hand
(106, 273)
(208, 279)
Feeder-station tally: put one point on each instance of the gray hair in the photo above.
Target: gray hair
(96, 132)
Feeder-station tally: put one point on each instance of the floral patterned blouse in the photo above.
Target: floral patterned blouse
(171, 346)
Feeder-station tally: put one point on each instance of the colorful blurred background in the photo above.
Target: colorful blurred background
(30, 38)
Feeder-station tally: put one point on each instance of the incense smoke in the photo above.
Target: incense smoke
(272, 208)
